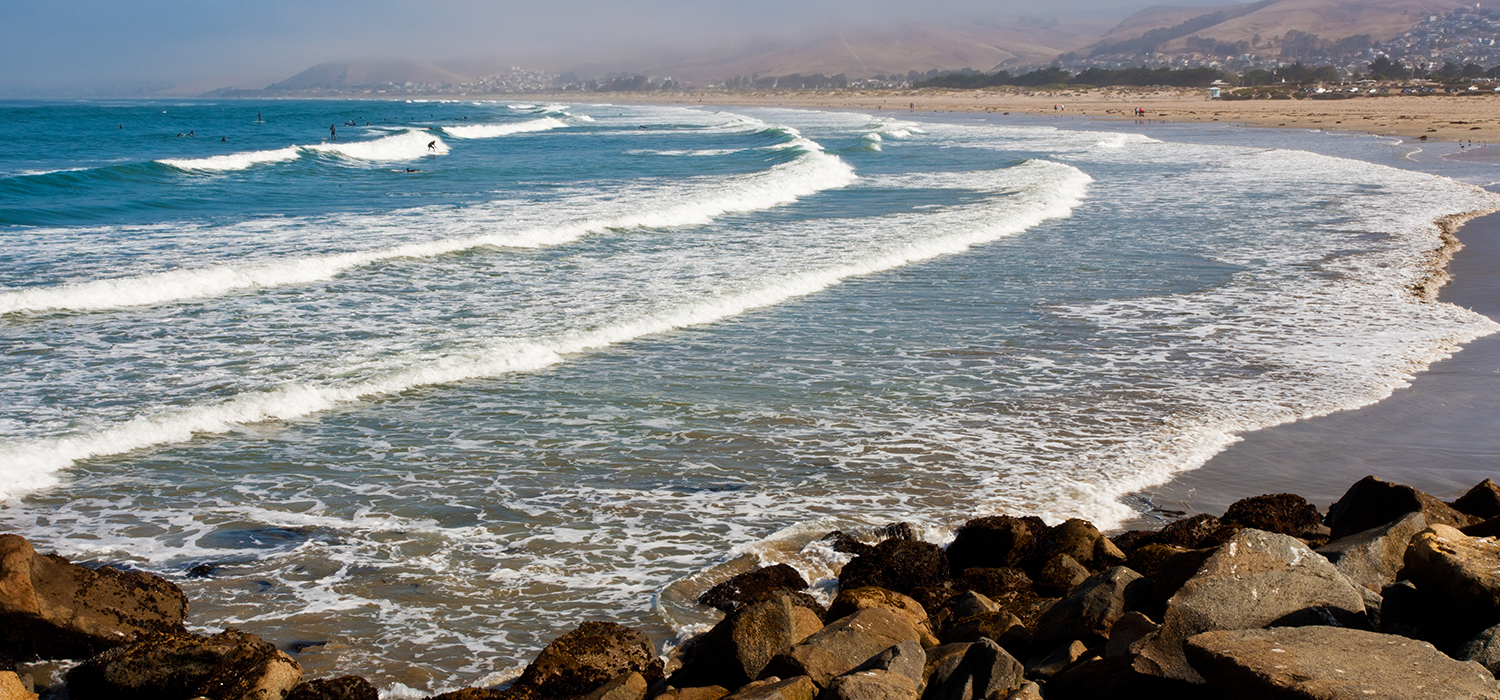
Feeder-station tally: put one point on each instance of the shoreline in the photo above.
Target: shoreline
(1434, 434)
(1456, 118)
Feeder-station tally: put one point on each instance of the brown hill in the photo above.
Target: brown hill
(1331, 19)
(330, 76)
(1157, 17)
(864, 54)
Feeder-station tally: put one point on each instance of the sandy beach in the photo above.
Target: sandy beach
(1465, 117)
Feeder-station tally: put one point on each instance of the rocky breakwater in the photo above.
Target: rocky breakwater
(1391, 594)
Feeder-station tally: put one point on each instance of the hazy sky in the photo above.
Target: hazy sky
(69, 47)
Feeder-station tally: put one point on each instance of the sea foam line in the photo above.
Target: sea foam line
(405, 145)
(782, 184)
(32, 465)
(485, 131)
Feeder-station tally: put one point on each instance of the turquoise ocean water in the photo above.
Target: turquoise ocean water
(437, 390)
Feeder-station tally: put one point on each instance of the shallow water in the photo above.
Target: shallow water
(589, 358)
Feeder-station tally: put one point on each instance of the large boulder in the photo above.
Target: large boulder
(753, 587)
(593, 654)
(1374, 557)
(898, 565)
(341, 688)
(52, 609)
(773, 688)
(871, 685)
(1282, 513)
(11, 687)
(1482, 501)
(1078, 540)
(1120, 678)
(1464, 570)
(852, 601)
(1318, 663)
(1256, 579)
(844, 645)
(631, 686)
(1092, 608)
(907, 659)
(1483, 649)
(737, 649)
(995, 541)
(985, 671)
(1372, 501)
(231, 665)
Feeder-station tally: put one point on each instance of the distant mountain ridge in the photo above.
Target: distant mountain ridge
(1012, 43)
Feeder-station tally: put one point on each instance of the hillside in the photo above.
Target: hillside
(334, 76)
(1260, 25)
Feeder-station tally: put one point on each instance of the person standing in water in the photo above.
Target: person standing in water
(333, 133)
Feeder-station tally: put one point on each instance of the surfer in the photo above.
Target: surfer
(432, 145)
(257, 117)
(333, 133)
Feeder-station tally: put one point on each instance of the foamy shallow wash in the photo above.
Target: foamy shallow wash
(476, 371)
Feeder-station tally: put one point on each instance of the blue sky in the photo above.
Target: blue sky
(52, 47)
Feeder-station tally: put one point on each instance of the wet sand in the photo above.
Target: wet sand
(1441, 434)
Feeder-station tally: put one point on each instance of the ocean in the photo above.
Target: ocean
(425, 390)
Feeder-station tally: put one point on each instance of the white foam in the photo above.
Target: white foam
(235, 161)
(406, 145)
(486, 131)
(32, 465)
(784, 183)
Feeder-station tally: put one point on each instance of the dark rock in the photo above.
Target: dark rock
(1282, 513)
(1080, 540)
(1059, 575)
(711, 692)
(300, 646)
(1130, 628)
(852, 601)
(1482, 501)
(1189, 533)
(1374, 557)
(871, 685)
(1002, 627)
(1027, 691)
(341, 688)
(1257, 579)
(847, 544)
(906, 658)
(231, 665)
(942, 662)
(986, 670)
(798, 688)
(1372, 502)
(1172, 572)
(1318, 663)
(1148, 558)
(737, 649)
(52, 609)
(995, 541)
(995, 582)
(897, 565)
(1488, 528)
(1119, 678)
(1092, 608)
(202, 571)
(844, 645)
(970, 604)
(753, 587)
(1404, 610)
(1483, 649)
(1464, 570)
(896, 531)
(588, 657)
(1130, 539)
